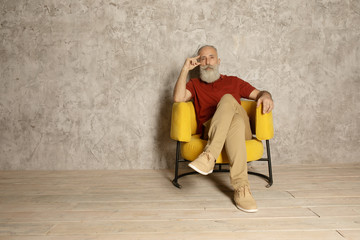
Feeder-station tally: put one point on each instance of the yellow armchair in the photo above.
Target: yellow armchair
(190, 145)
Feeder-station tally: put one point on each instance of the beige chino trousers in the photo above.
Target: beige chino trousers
(228, 129)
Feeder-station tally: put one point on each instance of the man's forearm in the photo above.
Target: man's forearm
(180, 86)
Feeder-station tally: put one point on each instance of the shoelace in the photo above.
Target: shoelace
(242, 190)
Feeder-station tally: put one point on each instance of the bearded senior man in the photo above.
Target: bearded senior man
(221, 118)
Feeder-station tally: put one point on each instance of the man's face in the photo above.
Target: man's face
(208, 56)
(209, 65)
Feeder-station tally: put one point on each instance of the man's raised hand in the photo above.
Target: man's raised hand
(192, 63)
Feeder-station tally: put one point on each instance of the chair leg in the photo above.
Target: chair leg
(269, 178)
(269, 163)
(175, 181)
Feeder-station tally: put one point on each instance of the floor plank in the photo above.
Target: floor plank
(233, 225)
(283, 235)
(350, 234)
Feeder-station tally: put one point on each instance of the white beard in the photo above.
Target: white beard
(209, 75)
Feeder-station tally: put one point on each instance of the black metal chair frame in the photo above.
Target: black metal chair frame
(179, 159)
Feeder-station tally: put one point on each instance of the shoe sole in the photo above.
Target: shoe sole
(198, 170)
(247, 210)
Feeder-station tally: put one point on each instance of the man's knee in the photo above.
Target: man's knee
(227, 100)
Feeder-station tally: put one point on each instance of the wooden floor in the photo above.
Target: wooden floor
(305, 202)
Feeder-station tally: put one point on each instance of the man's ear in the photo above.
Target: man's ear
(219, 61)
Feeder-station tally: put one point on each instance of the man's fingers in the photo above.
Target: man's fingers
(191, 63)
(196, 59)
(267, 106)
(194, 63)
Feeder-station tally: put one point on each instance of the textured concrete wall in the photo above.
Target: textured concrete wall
(88, 84)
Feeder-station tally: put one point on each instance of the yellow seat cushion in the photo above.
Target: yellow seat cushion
(191, 150)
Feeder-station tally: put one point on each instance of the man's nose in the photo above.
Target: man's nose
(207, 62)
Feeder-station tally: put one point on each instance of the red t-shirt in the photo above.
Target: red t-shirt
(206, 96)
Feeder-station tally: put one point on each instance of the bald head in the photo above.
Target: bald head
(207, 46)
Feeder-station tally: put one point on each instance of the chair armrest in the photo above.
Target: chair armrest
(264, 125)
(181, 121)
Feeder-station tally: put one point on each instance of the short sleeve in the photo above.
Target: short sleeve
(245, 88)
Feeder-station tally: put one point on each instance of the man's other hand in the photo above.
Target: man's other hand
(266, 100)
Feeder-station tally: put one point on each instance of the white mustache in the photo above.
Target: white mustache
(207, 66)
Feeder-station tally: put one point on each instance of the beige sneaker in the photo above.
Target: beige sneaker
(244, 200)
(203, 164)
